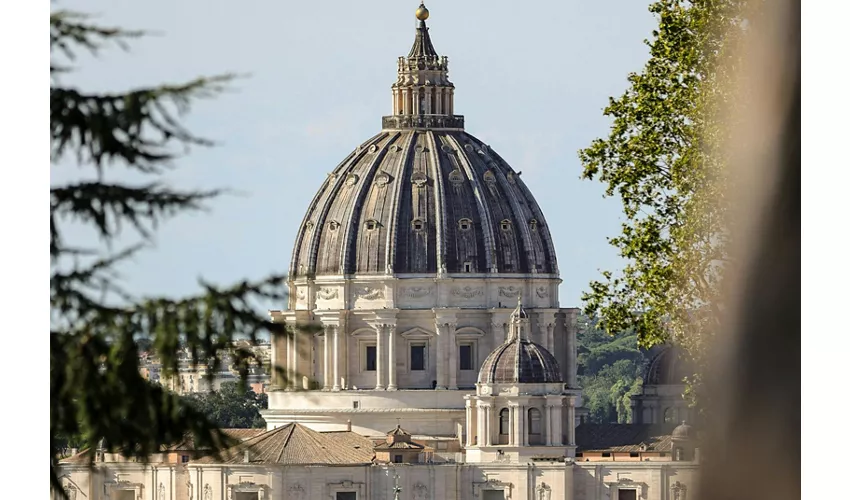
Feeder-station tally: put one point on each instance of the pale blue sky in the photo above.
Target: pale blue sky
(531, 79)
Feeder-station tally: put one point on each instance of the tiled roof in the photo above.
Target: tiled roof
(623, 437)
(399, 445)
(294, 444)
(398, 431)
(188, 444)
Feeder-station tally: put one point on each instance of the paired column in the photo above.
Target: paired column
(379, 357)
(453, 348)
(470, 423)
(515, 439)
(487, 428)
(326, 359)
(391, 358)
(571, 418)
(572, 367)
(442, 357)
(554, 407)
(292, 362)
(336, 359)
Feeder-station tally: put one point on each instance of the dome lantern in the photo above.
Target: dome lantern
(423, 96)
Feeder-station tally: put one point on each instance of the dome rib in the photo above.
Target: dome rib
(319, 223)
(520, 361)
(400, 173)
(489, 244)
(520, 222)
(355, 212)
(439, 200)
(424, 171)
(297, 248)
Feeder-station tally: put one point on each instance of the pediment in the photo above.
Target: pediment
(417, 333)
(469, 332)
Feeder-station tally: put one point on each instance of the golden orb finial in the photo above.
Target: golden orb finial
(422, 12)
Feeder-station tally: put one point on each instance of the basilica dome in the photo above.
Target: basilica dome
(423, 196)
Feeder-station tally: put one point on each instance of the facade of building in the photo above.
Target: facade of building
(194, 378)
(435, 361)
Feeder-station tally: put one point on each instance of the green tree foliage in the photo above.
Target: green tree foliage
(609, 370)
(664, 159)
(96, 389)
(233, 406)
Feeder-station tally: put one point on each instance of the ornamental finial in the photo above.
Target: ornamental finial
(422, 12)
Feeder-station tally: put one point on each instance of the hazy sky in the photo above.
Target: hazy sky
(531, 80)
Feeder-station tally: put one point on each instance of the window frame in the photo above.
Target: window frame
(471, 345)
(424, 346)
(364, 365)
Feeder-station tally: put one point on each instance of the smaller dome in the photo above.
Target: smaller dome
(669, 366)
(682, 432)
(520, 361)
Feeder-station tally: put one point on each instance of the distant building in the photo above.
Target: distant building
(196, 378)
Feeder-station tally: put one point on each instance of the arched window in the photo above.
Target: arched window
(534, 426)
(669, 415)
(504, 422)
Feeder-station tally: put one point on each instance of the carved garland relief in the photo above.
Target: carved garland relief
(325, 293)
(467, 292)
(369, 293)
(510, 292)
(296, 492)
(420, 491)
(417, 292)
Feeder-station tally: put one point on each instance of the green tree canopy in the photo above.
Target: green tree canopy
(609, 370)
(233, 406)
(96, 389)
(663, 158)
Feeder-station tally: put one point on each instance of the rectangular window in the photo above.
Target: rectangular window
(346, 495)
(626, 494)
(467, 267)
(184, 459)
(417, 357)
(371, 358)
(397, 459)
(465, 355)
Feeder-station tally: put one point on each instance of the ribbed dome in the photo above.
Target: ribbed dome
(423, 196)
(421, 201)
(667, 367)
(520, 361)
(682, 432)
